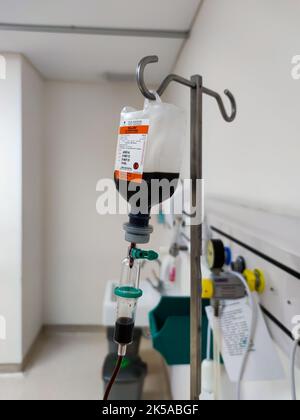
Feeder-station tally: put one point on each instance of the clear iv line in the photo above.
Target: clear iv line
(253, 305)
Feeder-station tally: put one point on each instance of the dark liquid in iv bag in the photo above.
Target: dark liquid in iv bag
(124, 330)
(149, 196)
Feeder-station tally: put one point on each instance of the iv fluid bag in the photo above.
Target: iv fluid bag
(150, 148)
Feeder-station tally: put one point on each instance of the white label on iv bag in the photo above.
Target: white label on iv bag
(263, 362)
(132, 142)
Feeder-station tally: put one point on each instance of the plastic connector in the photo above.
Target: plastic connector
(256, 280)
(228, 255)
(140, 254)
(207, 289)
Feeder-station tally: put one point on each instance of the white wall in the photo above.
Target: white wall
(247, 46)
(32, 206)
(10, 209)
(21, 125)
(83, 250)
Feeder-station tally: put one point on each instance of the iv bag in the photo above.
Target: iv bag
(150, 144)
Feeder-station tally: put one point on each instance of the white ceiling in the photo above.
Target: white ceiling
(88, 57)
(155, 14)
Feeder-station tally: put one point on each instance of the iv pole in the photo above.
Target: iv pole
(197, 91)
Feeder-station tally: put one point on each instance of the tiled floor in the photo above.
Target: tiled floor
(68, 366)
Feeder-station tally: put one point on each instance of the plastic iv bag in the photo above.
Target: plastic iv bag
(150, 145)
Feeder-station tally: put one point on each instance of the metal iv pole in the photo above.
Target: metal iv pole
(197, 91)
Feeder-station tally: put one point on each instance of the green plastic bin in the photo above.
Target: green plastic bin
(170, 329)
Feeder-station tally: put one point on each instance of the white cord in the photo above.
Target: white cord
(217, 352)
(293, 376)
(253, 305)
(208, 344)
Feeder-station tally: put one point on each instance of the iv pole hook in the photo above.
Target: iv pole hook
(140, 76)
(228, 118)
(173, 77)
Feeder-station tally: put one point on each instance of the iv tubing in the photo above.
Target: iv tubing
(113, 378)
(208, 344)
(217, 365)
(251, 335)
(293, 376)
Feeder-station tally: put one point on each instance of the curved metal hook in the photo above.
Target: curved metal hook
(165, 83)
(140, 76)
(228, 118)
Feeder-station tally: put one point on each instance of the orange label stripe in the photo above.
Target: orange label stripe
(135, 129)
(130, 177)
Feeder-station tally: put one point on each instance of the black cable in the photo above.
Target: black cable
(113, 378)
